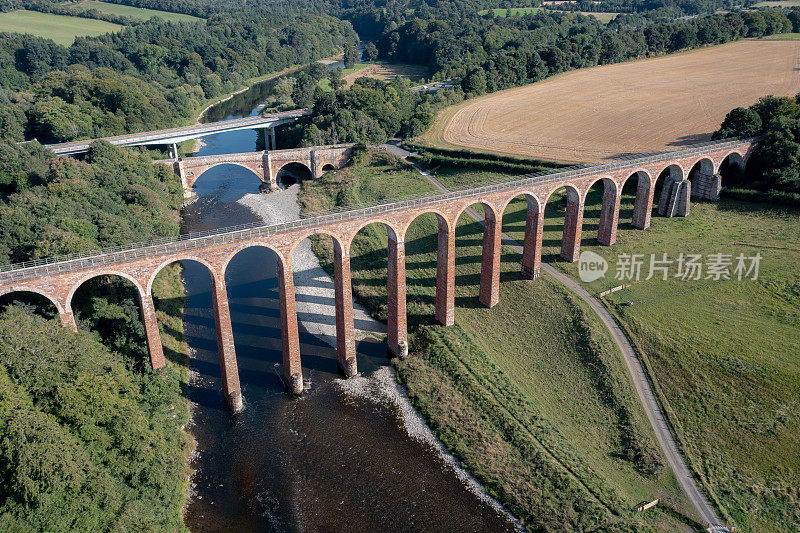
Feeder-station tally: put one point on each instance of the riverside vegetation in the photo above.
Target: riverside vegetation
(91, 438)
(553, 431)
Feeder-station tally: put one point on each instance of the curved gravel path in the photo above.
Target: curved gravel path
(646, 395)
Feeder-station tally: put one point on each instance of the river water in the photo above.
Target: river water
(329, 461)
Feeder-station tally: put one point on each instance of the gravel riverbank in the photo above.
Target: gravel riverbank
(313, 287)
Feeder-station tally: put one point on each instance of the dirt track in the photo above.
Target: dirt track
(642, 106)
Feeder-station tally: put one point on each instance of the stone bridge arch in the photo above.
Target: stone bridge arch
(66, 318)
(534, 226)
(573, 219)
(190, 171)
(315, 158)
(675, 191)
(283, 166)
(643, 203)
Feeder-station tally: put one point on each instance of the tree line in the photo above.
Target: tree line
(489, 55)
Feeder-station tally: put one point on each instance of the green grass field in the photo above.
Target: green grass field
(725, 354)
(521, 11)
(783, 36)
(512, 12)
(531, 395)
(61, 28)
(135, 13)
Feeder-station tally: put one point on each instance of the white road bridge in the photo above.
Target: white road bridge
(175, 135)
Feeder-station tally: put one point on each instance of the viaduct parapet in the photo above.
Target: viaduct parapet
(265, 164)
(59, 278)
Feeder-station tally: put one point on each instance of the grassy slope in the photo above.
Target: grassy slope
(60, 28)
(134, 12)
(725, 354)
(517, 403)
(169, 300)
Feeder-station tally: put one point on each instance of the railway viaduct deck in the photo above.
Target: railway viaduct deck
(57, 279)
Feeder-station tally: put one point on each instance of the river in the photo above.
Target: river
(331, 460)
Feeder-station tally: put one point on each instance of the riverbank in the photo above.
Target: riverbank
(315, 294)
(261, 79)
(169, 301)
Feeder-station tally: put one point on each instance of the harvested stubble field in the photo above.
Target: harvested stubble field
(388, 72)
(604, 112)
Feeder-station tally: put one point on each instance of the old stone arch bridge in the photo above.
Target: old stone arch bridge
(265, 164)
(59, 278)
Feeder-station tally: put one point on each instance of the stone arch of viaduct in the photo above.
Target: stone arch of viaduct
(58, 280)
(265, 164)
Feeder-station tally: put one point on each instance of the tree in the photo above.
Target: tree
(211, 85)
(474, 84)
(303, 92)
(371, 51)
(683, 37)
(782, 152)
(337, 79)
(350, 56)
(740, 122)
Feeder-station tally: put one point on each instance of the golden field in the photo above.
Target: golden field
(605, 112)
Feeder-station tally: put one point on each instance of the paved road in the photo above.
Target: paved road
(654, 414)
(175, 135)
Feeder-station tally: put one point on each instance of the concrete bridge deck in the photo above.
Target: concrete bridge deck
(176, 135)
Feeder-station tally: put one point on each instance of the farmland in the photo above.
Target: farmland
(778, 3)
(135, 13)
(633, 107)
(378, 70)
(387, 72)
(61, 28)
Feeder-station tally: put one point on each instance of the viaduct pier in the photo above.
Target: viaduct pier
(57, 279)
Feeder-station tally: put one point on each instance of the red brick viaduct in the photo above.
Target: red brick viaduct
(265, 164)
(58, 279)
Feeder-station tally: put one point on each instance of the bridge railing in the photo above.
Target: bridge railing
(190, 241)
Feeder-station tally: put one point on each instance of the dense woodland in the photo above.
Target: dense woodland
(90, 439)
(775, 165)
(152, 74)
(86, 443)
